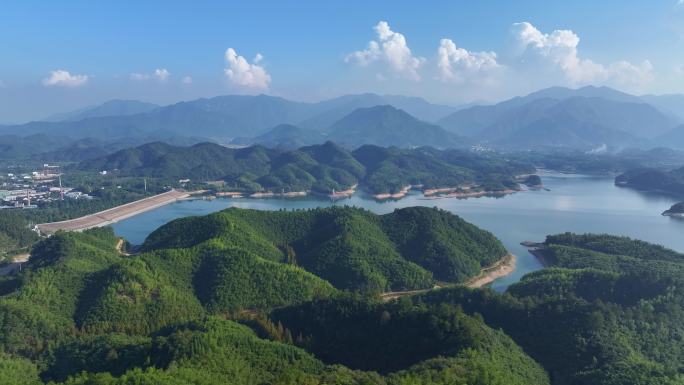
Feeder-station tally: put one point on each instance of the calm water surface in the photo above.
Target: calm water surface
(576, 203)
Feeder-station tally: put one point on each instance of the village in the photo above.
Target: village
(28, 190)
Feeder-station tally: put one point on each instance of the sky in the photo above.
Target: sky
(57, 56)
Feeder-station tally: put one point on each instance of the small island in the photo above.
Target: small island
(677, 210)
(533, 181)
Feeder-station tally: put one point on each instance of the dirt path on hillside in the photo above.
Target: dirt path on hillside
(501, 268)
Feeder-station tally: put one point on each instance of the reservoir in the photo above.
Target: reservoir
(575, 203)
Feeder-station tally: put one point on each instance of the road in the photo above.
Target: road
(115, 214)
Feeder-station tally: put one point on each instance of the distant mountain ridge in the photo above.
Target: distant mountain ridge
(584, 118)
(116, 107)
(219, 118)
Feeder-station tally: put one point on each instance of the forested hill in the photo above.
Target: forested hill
(319, 168)
(352, 248)
(650, 179)
(250, 297)
(609, 311)
(196, 311)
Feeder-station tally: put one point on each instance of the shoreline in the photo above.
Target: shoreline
(291, 194)
(114, 214)
(463, 192)
(537, 250)
(398, 195)
(499, 269)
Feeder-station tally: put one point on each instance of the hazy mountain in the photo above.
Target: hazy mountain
(672, 104)
(219, 117)
(335, 109)
(469, 121)
(673, 138)
(564, 130)
(17, 147)
(562, 117)
(256, 113)
(389, 126)
(285, 136)
(586, 91)
(590, 115)
(110, 108)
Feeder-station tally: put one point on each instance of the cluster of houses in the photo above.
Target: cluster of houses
(27, 190)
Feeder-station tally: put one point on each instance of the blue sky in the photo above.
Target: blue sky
(317, 49)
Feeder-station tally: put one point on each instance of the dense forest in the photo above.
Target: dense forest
(351, 248)
(320, 168)
(196, 312)
(290, 297)
(15, 234)
(608, 310)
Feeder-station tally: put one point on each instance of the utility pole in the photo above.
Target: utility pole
(61, 190)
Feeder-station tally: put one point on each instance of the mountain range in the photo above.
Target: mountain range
(584, 118)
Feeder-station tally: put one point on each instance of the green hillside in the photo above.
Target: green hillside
(197, 311)
(351, 248)
(15, 234)
(609, 311)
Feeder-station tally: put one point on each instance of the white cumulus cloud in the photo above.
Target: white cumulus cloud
(458, 64)
(63, 78)
(244, 74)
(560, 47)
(391, 48)
(186, 80)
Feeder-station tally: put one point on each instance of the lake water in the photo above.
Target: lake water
(576, 203)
